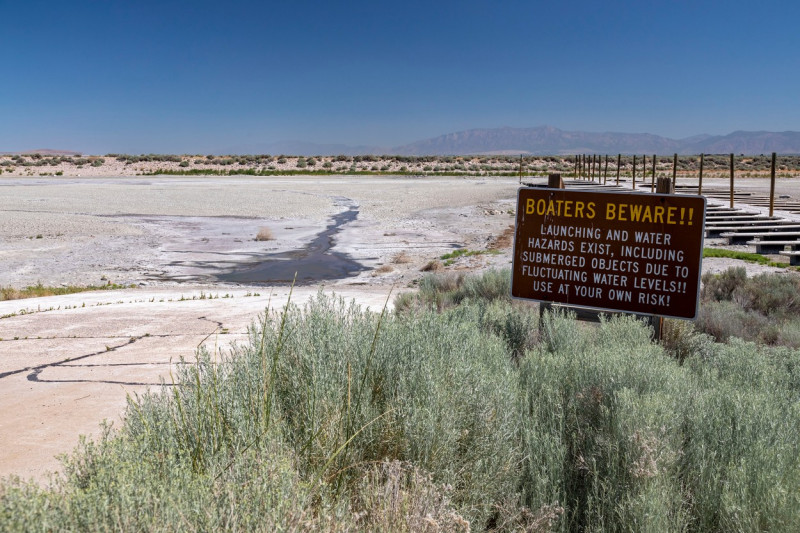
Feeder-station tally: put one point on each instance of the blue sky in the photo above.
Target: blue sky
(195, 77)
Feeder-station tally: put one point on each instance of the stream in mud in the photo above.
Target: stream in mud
(314, 262)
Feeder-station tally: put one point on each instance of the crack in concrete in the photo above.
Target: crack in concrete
(37, 369)
(160, 336)
(34, 376)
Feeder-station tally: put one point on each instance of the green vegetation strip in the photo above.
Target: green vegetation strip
(310, 172)
(449, 257)
(743, 256)
(38, 290)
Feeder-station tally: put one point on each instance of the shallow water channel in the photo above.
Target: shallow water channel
(314, 262)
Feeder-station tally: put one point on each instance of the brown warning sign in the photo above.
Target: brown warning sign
(638, 253)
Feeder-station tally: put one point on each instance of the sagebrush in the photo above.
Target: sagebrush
(334, 418)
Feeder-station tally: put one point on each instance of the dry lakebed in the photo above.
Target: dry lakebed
(203, 256)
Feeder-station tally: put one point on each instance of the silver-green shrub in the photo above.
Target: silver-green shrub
(333, 418)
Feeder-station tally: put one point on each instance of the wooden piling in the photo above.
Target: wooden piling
(619, 161)
(664, 186)
(597, 168)
(583, 166)
(644, 168)
(605, 171)
(674, 171)
(588, 170)
(772, 186)
(633, 174)
(700, 183)
(554, 181)
(731, 180)
(653, 177)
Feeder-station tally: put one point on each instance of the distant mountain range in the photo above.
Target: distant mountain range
(543, 140)
(43, 151)
(547, 140)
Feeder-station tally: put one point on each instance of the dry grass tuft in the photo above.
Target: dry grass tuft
(399, 496)
(265, 234)
(39, 290)
(384, 269)
(433, 266)
(517, 518)
(401, 258)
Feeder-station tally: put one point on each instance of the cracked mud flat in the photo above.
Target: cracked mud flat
(69, 362)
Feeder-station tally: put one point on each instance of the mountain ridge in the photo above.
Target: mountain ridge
(541, 140)
(548, 140)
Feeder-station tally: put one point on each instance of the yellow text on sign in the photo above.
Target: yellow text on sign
(560, 208)
(650, 214)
